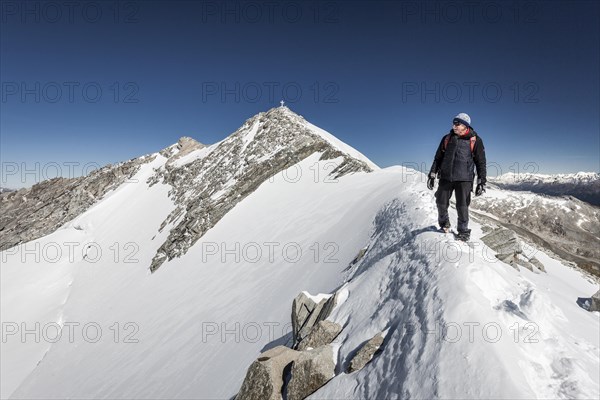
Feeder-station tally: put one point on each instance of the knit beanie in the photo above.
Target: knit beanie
(463, 119)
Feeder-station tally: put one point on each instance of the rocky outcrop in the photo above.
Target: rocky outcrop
(264, 379)
(306, 313)
(509, 249)
(209, 186)
(595, 303)
(537, 264)
(311, 370)
(321, 334)
(305, 369)
(503, 241)
(313, 364)
(365, 354)
(31, 213)
(184, 146)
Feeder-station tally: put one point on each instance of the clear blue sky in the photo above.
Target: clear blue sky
(385, 77)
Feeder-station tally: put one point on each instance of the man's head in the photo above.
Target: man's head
(461, 124)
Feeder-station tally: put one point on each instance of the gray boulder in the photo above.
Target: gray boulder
(537, 264)
(595, 302)
(365, 354)
(508, 258)
(503, 241)
(509, 250)
(264, 378)
(306, 313)
(321, 334)
(311, 370)
(184, 146)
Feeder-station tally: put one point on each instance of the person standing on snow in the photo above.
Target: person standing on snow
(458, 153)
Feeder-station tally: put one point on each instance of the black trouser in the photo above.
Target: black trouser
(463, 199)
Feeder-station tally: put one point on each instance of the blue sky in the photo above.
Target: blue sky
(100, 82)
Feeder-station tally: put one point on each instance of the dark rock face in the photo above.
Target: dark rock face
(31, 213)
(205, 189)
(590, 304)
(595, 306)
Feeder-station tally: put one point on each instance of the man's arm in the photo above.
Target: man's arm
(480, 162)
(437, 160)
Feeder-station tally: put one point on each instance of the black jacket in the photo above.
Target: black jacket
(456, 162)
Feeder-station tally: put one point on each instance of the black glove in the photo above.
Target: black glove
(430, 181)
(480, 189)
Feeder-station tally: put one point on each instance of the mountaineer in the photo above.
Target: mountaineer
(459, 153)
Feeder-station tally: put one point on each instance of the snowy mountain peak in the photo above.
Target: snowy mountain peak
(205, 182)
(208, 181)
(290, 125)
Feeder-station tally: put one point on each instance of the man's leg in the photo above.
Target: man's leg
(463, 199)
(442, 200)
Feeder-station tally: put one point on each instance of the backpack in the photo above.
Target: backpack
(471, 142)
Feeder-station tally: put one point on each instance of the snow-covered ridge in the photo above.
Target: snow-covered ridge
(334, 141)
(251, 128)
(192, 317)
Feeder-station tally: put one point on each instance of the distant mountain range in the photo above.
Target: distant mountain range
(565, 225)
(583, 185)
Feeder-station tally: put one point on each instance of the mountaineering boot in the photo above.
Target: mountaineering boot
(465, 236)
(445, 226)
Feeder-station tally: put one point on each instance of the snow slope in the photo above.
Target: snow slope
(461, 323)
(191, 329)
(175, 305)
(43, 280)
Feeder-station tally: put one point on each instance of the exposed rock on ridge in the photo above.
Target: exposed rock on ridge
(30, 213)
